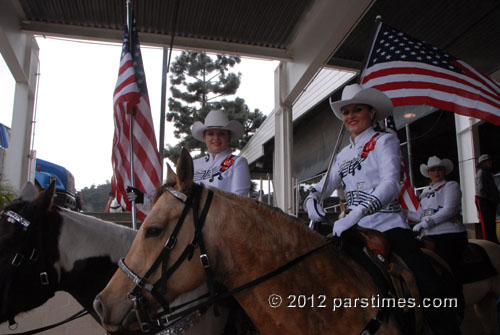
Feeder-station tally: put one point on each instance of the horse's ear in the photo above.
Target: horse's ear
(28, 192)
(45, 199)
(185, 171)
(171, 177)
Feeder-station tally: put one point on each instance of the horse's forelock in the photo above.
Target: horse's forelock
(160, 190)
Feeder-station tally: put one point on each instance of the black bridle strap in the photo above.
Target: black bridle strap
(255, 282)
(142, 282)
(191, 201)
(188, 251)
(198, 225)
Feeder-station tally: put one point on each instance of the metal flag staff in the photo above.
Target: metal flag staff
(132, 112)
(340, 137)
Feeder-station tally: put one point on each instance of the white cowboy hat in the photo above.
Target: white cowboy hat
(483, 157)
(217, 119)
(434, 161)
(355, 94)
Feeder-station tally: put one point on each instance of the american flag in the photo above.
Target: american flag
(412, 72)
(131, 97)
(407, 198)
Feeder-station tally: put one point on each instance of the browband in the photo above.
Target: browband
(14, 217)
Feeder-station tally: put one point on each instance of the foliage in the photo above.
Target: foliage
(7, 195)
(199, 82)
(95, 197)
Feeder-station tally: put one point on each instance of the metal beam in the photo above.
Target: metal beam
(114, 35)
(325, 28)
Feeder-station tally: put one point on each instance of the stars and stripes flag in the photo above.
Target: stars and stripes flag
(412, 72)
(131, 97)
(407, 198)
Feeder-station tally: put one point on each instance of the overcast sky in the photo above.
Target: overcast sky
(74, 114)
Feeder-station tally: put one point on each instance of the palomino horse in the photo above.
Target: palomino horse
(244, 240)
(78, 252)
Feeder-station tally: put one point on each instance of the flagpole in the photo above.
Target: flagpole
(131, 134)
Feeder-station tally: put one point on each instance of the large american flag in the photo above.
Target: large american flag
(131, 97)
(412, 72)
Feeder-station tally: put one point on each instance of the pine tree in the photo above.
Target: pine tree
(199, 83)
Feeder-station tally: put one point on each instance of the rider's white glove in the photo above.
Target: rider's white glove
(426, 223)
(348, 221)
(314, 210)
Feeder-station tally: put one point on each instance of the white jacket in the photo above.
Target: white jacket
(440, 204)
(224, 171)
(369, 171)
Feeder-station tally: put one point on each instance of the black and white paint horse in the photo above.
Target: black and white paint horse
(44, 249)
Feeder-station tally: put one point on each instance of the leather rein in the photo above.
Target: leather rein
(165, 318)
(158, 289)
(168, 317)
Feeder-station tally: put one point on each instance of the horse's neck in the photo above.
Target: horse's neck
(84, 237)
(89, 250)
(250, 233)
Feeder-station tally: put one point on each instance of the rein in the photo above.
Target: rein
(190, 202)
(165, 318)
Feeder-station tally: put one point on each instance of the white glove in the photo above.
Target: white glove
(424, 224)
(347, 222)
(314, 210)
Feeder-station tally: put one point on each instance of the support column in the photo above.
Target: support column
(18, 158)
(20, 52)
(466, 145)
(282, 171)
(283, 145)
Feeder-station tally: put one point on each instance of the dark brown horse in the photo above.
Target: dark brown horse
(325, 293)
(78, 252)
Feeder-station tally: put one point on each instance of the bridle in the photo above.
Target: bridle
(23, 256)
(158, 289)
(163, 319)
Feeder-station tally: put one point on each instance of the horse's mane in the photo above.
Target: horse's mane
(244, 201)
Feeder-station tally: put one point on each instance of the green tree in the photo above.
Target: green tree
(95, 197)
(199, 83)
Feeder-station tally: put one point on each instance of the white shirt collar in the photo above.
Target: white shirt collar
(436, 185)
(363, 137)
(217, 156)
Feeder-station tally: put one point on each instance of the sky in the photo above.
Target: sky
(74, 110)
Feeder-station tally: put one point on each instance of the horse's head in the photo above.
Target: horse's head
(27, 275)
(163, 258)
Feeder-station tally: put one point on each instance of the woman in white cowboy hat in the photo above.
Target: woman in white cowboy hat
(439, 212)
(487, 197)
(369, 171)
(219, 168)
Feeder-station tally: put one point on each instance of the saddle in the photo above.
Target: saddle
(371, 249)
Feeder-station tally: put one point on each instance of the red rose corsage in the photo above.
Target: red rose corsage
(369, 146)
(227, 163)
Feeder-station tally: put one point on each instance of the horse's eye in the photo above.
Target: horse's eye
(153, 232)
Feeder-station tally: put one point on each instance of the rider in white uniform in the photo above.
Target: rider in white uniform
(439, 212)
(369, 171)
(219, 168)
